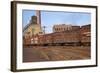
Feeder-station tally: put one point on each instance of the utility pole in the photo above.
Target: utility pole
(44, 34)
(44, 27)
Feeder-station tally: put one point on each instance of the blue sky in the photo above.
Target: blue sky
(50, 18)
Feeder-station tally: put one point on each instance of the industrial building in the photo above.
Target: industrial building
(33, 27)
(64, 27)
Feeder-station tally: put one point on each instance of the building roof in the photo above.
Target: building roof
(62, 25)
(88, 25)
(26, 27)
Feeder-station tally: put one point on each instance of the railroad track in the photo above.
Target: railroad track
(56, 53)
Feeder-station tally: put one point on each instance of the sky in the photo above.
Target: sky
(50, 18)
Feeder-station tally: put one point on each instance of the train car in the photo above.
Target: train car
(45, 39)
(86, 35)
(26, 41)
(61, 38)
(72, 37)
(67, 38)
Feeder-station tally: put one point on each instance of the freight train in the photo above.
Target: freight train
(77, 37)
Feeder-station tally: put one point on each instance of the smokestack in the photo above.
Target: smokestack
(38, 14)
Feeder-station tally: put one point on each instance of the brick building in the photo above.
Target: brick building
(64, 27)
